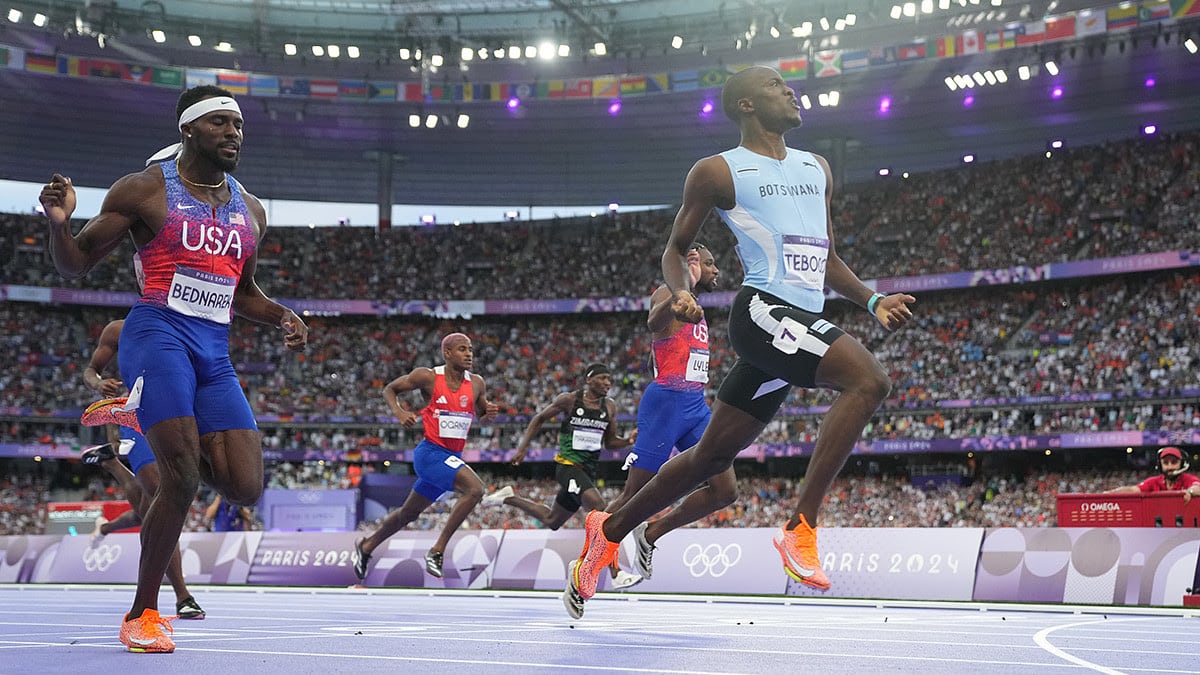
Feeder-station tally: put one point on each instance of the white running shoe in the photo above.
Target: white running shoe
(625, 580)
(644, 560)
(97, 534)
(571, 598)
(498, 497)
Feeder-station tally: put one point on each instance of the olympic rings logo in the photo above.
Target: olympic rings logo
(712, 560)
(102, 557)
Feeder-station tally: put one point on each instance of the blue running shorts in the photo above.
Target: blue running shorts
(139, 453)
(667, 419)
(436, 468)
(186, 371)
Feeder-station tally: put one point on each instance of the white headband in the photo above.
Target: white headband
(203, 107)
(191, 114)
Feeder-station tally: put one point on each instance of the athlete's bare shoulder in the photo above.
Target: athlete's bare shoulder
(144, 183)
(257, 211)
(709, 184)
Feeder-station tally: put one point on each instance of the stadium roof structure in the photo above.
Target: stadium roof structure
(546, 150)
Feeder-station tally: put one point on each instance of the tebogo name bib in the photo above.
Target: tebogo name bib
(804, 261)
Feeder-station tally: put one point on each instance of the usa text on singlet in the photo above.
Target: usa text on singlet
(194, 263)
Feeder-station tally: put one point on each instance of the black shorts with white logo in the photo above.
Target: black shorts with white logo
(779, 346)
(573, 481)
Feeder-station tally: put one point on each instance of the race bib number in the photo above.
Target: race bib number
(697, 368)
(454, 425)
(454, 462)
(583, 438)
(804, 261)
(788, 335)
(203, 295)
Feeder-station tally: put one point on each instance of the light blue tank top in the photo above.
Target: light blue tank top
(780, 223)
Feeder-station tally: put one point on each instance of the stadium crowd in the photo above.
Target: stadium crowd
(1113, 353)
(1121, 198)
(1111, 345)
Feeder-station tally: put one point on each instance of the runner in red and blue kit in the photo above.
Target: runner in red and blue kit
(673, 411)
(673, 414)
(196, 230)
(453, 397)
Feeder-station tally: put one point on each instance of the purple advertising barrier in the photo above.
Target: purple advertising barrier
(326, 559)
(207, 557)
(537, 559)
(304, 559)
(697, 560)
(218, 557)
(1121, 566)
(895, 563)
(113, 560)
(21, 555)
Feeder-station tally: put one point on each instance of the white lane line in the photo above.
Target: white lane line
(1042, 639)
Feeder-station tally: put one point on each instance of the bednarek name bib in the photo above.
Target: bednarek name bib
(202, 294)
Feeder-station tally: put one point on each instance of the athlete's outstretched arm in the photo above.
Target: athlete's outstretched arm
(611, 440)
(661, 319)
(126, 203)
(561, 404)
(105, 350)
(892, 311)
(419, 379)
(484, 409)
(251, 303)
(708, 185)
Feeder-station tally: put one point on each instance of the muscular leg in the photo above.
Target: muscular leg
(148, 477)
(176, 445)
(552, 517)
(720, 492)
(849, 368)
(130, 518)
(398, 519)
(468, 485)
(635, 480)
(234, 464)
(729, 432)
(128, 482)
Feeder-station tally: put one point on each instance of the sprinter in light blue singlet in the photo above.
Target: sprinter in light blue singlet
(775, 199)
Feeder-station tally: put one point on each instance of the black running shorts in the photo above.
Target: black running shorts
(573, 481)
(779, 346)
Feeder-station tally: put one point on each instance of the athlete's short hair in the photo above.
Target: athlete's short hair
(449, 341)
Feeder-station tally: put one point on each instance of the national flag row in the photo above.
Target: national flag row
(820, 64)
(1076, 25)
(605, 86)
(19, 59)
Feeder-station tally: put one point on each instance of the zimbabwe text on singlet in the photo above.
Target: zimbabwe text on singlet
(581, 436)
